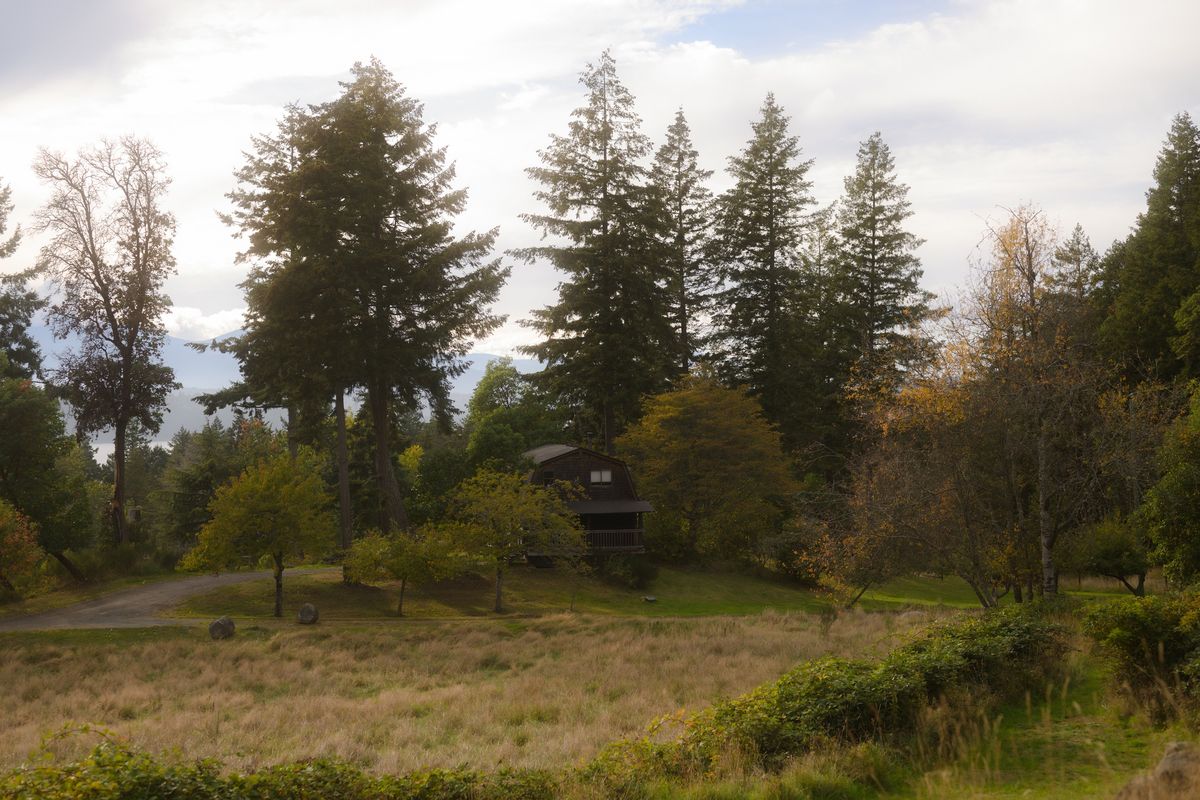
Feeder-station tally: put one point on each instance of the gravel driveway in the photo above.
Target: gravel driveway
(139, 607)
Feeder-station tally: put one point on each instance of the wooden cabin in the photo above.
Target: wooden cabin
(611, 510)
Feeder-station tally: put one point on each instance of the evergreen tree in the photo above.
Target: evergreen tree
(1156, 269)
(879, 272)
(686, 207)
(363, 284)
(17, 307)
(764, 307)
(608, 339)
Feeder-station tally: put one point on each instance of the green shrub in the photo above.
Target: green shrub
(630, 571)
(833, 701)
(1153, 644)
(114, 772)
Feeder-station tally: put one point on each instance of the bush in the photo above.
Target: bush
(1153, 644)
(632, 572)
(838, 701)
(114, 772)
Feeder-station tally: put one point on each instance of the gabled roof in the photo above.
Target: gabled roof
(539, 455)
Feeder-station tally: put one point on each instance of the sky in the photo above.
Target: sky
(986, 104)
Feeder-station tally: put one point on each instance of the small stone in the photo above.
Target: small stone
(308, 614)
(649, 599)
(221, 628)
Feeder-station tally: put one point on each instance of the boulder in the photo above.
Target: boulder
(1177, 776)
(308, 614)
(221, 628)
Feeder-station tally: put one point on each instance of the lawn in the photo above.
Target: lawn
(677, 592)
(542, 692)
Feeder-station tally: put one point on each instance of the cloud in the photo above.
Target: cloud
(186, 322)
(985, 102)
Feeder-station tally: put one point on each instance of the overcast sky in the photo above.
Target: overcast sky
(985, 103)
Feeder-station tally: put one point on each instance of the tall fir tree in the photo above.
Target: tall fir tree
(18, 304)
(1155, 272)
(679, 183)
(879, 272)
(608, 339)
(763, 309)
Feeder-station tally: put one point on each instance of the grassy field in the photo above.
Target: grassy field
(536, 592)
(537, 692)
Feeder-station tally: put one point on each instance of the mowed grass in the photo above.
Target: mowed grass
(68, 595)
(544, 692)
(527, 591)
(677, 592)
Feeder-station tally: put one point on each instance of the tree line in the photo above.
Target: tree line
(787, 392)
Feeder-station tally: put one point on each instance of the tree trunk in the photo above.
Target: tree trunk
(345, 512)
(293, 441)
(117, 507)
(1045, 524)
(278, 557)
(389, 488)
(858, 596)
(6, 583)
(1017, 592)
(67, 564)
(400, 605)
(498, 607)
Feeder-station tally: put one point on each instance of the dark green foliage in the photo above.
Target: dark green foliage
(1152, 277)
(631, 571)
(686, 208)
(1154, 646)
(506, 416)
(1171, 510)
(762, 311)
(608, 340)
(20, 356)
(43, 473)
(879, 273)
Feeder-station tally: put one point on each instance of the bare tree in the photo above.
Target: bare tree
(108, 254)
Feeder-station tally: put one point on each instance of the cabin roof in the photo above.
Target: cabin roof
(549, 452)
(540, 455)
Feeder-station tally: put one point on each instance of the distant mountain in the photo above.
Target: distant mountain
(205, 372)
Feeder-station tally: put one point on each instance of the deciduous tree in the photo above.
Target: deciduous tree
(498, 517)
(278, 508)
(108, 254)
(430, 553)
(713, 467)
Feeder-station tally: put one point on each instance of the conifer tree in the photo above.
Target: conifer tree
(607, 340)
(17, 307)
(763, 308)
(879, 272)
(686, 207)
(1156, 269)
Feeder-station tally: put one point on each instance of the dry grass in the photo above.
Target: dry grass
(538, 693)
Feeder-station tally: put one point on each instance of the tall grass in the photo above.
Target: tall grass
(538, 693)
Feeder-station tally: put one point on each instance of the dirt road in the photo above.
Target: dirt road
(139, 607)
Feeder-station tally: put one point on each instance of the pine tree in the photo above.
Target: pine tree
(1156, 269)
(17, 307)
(880, 273)
(686, 207)
(608, 339)
(763, 308)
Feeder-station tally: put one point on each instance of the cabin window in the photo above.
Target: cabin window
(548, 476)
(601, 477)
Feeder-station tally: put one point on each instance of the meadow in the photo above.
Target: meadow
(390, 697)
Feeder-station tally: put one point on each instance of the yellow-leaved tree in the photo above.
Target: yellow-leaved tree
(499, 517)
(714, 469)
(280, 508)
